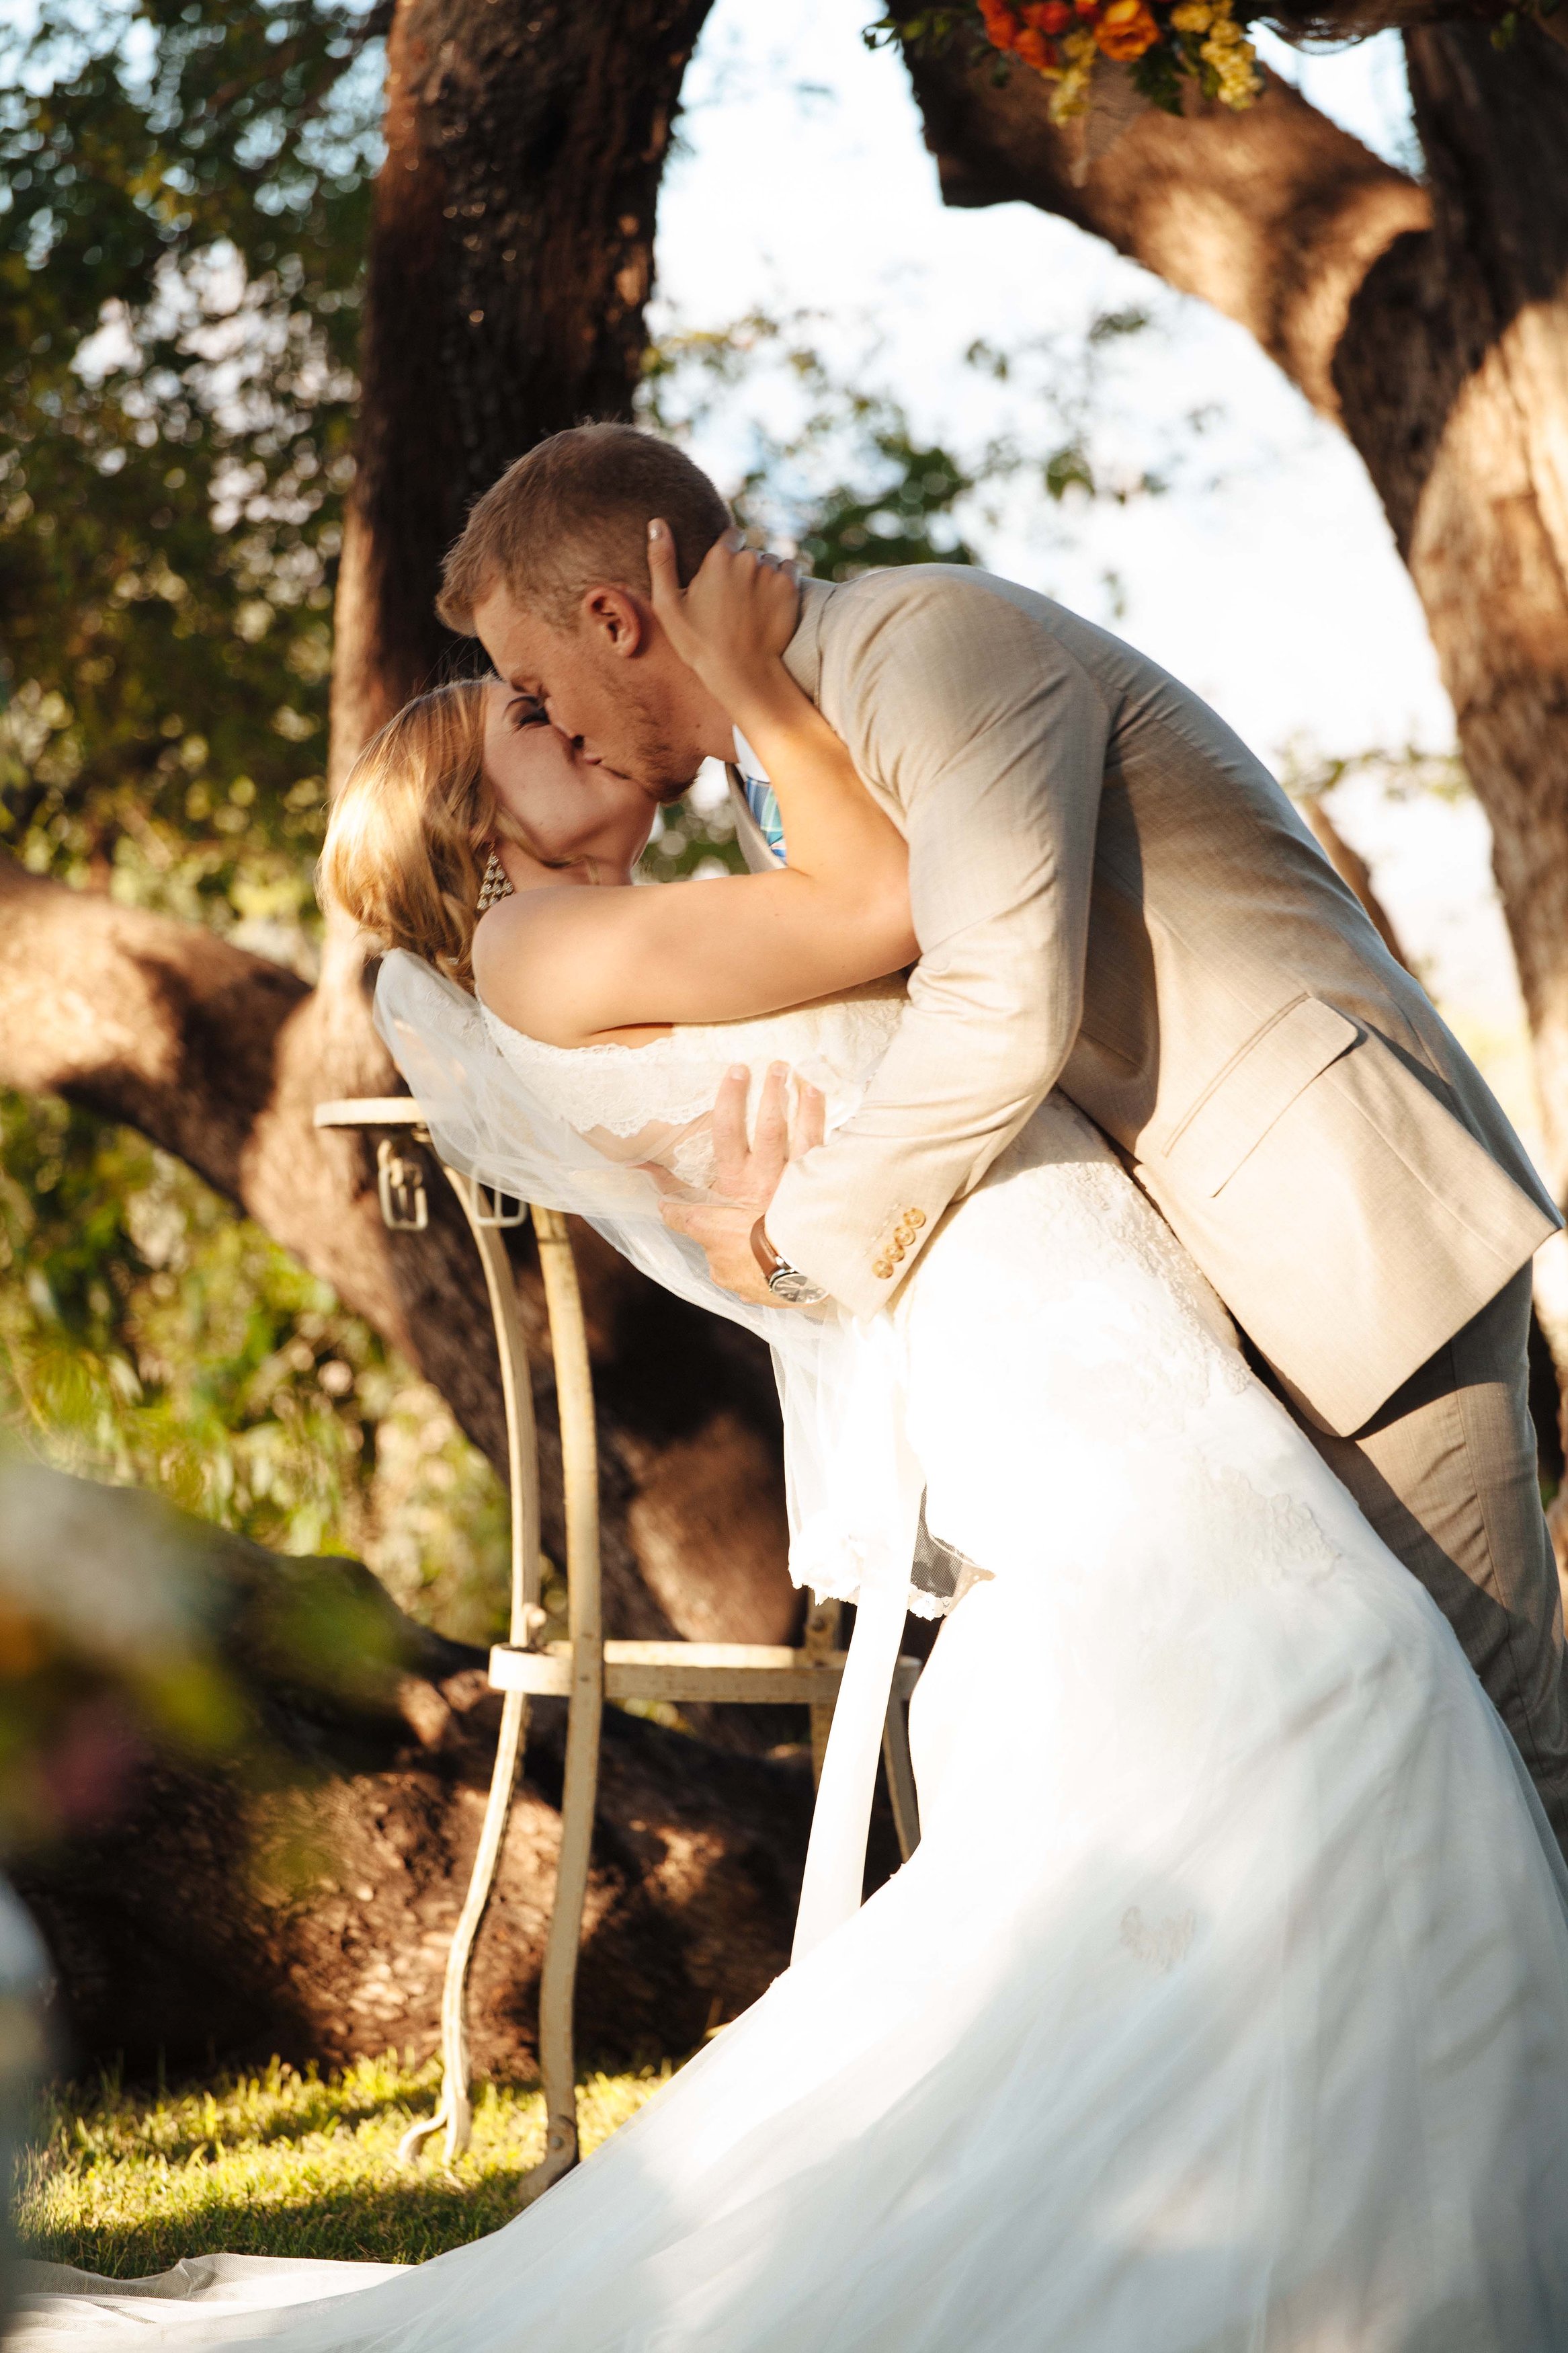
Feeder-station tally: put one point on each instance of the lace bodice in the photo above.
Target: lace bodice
(655, 1101)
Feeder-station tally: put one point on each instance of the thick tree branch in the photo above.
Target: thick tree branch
(1274, 216)
(217, 1056)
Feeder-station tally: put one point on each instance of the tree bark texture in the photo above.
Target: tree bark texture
(1431, 321)
(511, 261)
(299, 1895)
(1454, 376)
(183, 1937)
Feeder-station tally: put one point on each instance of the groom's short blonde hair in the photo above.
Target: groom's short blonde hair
(573, 513)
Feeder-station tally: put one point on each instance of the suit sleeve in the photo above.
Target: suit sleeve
(988, 739)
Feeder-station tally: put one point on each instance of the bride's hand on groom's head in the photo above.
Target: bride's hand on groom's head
(733, 621)
(746, 1172)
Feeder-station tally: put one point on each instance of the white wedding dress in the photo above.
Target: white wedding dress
(1223, 2005)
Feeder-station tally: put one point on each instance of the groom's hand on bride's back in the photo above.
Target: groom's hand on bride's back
(746, 1171)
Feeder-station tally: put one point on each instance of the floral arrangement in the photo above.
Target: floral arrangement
(1161, 42)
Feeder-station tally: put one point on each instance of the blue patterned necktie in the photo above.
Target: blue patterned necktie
(764, 804)
(760, 798)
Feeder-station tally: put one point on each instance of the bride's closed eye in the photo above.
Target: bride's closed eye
(526, 711)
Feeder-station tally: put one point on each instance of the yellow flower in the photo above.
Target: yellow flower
(1070, 96)
(1226, 51)
(1233, 68)
(1193, 15)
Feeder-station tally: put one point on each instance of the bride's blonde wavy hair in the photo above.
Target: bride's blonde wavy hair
(405, 845)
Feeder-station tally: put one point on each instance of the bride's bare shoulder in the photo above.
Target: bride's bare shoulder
(528, 953)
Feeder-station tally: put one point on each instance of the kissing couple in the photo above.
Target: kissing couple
(1125, 1222)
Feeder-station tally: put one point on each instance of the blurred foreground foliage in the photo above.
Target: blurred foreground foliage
(134, 1637)
(284, 2164)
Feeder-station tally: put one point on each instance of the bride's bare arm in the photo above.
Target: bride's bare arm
(570, 967)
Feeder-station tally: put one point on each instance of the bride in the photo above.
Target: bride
(1223, 2006)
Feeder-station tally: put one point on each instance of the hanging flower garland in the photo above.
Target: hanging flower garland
(1160, 43)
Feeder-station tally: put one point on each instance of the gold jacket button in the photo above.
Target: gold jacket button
(915, 1217)
(905, 1235)
(881, 1270)
(897, 1252)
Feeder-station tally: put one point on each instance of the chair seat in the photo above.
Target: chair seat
(369, 1111)
(768, 1673)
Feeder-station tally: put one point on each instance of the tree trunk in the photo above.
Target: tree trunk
(510, 260)
(183, 1937)
(1454, 375)
(298, 1894)
(1434, 327)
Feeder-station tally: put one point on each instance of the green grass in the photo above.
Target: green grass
(284, 2164)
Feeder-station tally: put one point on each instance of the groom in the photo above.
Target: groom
(1114, 898)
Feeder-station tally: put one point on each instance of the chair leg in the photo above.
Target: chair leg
(580, 1468)
(558, 1978)
(901, 1775)
(455, 2112)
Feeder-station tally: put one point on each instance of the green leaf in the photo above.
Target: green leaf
(1155, 77)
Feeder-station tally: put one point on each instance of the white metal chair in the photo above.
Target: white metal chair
(585, 1669)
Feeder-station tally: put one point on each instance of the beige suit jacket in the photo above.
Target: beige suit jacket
(1113, 897)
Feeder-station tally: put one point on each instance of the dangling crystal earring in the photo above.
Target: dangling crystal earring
(495, 885)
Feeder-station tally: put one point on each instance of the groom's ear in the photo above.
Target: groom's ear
(617, 619)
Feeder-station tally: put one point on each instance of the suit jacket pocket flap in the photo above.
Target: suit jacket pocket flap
(1257, 1085)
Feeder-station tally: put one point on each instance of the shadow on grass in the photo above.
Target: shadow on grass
(389, 2223)
(316, 2108)
(278, 2104)
(284, 2164)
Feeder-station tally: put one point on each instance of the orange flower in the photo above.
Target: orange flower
(1035, 50)
(1126, 30)
(1002, 28)
(1048, 16)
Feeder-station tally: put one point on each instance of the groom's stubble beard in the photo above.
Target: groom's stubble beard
(650, 751)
